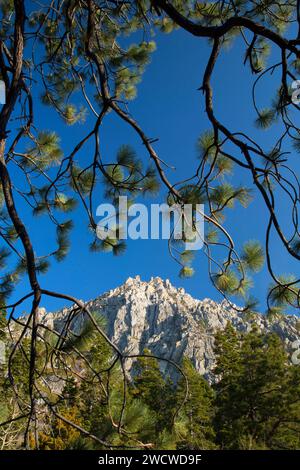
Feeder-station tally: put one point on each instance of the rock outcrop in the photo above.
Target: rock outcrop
(169, 322)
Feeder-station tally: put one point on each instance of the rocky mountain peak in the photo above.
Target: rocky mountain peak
(170, 322)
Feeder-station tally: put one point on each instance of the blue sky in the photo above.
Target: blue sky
(168, 107)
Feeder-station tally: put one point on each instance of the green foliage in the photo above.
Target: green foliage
(64, 203)
(150, 386)
(84, 339)
(62, 233)
(254, 402)
(187, 256)
(194, 427)
(3, 323)
(46, 152)
(212, 236)
(191, 194)
(129, 65)
(72, 116)
(4, 254)
(265, 118)
(225, 195)
(127, 176)
(206, 145)
(186, 271)
(285, 292)
(226, 281)
(274, 313)
(82, 180)
(207, 149)
(258, 392)
(42, 266)
(7, 285)
(253, 256)
(89, 62)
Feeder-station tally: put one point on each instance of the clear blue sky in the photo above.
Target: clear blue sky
(170, 108)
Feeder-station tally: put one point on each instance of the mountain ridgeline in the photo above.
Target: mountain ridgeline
(170, 323)
(216, 378)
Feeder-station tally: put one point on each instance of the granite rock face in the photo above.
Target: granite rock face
(169, 322)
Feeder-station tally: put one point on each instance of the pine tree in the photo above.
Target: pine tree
(194, 427)
(258, 392)
(152, 388)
